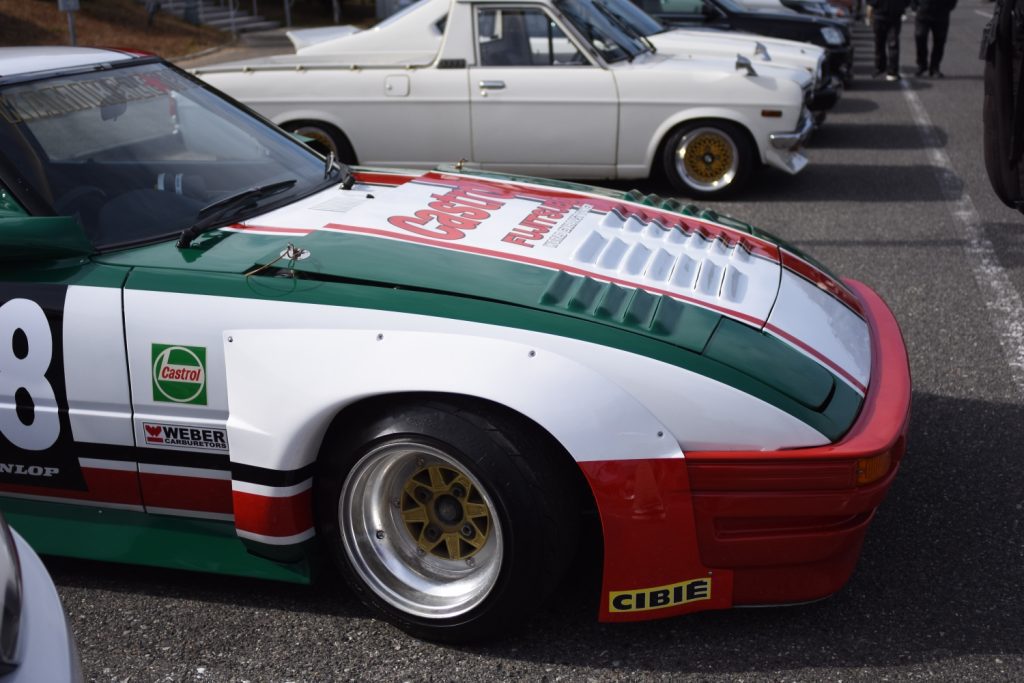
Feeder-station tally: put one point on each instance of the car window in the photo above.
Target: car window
(523, 37)
(135, 151)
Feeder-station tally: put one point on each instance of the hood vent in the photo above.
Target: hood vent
(636, 310)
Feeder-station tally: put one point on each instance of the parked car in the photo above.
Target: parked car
(832, 35)
(685, 41)
(818, 8)
(226, 351)
(36, 643)
(559, 88)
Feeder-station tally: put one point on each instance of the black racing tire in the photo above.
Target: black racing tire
(449, 518)
(709, 159)
(326, 138)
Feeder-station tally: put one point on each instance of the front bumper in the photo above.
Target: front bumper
(752, 528)
(793, 139)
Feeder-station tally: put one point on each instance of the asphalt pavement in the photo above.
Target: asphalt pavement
(896, 196)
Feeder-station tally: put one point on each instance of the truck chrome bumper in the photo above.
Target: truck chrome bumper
(796, 138)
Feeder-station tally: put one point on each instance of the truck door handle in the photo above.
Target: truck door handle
(492, 85)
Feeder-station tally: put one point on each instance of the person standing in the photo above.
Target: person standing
(932, 16)
(886, 19)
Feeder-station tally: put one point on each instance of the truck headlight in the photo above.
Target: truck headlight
(832, 35)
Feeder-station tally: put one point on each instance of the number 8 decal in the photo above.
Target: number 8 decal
(27, 373)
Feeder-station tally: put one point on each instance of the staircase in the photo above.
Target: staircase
(219, 14)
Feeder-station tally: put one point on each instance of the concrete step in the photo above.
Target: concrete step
(274, 37)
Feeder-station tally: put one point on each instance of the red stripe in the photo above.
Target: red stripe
(179, 492)
(821, 280)
(271, 516)
(544, 264)
(392, 179)
(102, 486)
(850, 379)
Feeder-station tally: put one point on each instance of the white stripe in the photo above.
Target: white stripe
(217, 516)
(278, 540)
(271, 491)
(987, 15)
(1003, 301)
(194, 472)
(75, 501)
(119, 465)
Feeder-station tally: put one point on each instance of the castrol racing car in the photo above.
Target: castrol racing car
(221, 351)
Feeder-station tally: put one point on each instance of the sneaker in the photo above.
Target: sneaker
(937, 73)
(892, 77)
(921, 72)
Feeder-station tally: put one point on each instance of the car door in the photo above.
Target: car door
(65, 408)
(538, 103)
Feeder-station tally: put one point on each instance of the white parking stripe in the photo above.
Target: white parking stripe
(987, 15)
(1002, 300)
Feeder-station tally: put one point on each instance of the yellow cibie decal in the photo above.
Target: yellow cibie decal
(660, 597)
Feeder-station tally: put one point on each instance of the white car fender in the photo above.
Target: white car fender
(694, 114)
(592, 417)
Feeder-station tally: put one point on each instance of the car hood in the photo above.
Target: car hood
(642, 264)
(728, 42)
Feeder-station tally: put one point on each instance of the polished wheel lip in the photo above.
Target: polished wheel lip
(388, 558)
(705, 134)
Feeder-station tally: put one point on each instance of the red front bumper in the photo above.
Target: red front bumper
(751, 527)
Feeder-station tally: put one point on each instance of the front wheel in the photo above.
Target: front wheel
(451, 521)
(710, 159)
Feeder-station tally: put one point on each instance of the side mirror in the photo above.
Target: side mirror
(41, 238)
(744, 63)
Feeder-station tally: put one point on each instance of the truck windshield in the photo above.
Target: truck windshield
(605, 33)
(135, 152)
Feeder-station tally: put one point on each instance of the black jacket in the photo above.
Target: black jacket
(889, 8)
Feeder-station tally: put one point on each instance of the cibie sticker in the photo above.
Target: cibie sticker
(660, 597)
(163, 435)
(179, 374)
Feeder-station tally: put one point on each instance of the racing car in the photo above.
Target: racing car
(221, 351)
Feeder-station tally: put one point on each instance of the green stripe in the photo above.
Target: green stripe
(131, 537)
(492, 278)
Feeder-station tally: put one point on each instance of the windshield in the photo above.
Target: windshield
(136, 152)
(635, 18)
(613, 41)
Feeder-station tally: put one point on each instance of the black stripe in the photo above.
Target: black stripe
(159, 456)
(269, 477)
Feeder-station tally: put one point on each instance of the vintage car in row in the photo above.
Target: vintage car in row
(222, 351)
(833, 35)
(560, 88)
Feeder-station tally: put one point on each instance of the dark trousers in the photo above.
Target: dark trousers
(939, 28)
(887, 44)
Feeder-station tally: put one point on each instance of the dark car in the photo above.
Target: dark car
(832, 35)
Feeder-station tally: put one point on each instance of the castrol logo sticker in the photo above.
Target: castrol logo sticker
(179, 374)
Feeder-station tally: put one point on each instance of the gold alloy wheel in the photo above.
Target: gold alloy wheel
(706, 158)
(445, 513)
(419, 529)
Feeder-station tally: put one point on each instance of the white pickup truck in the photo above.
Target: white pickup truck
(558, 88)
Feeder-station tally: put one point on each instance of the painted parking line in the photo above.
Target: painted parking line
(1002, 300)
(987, 15)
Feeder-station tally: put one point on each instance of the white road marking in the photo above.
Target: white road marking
(1001, 298)
(987, 15)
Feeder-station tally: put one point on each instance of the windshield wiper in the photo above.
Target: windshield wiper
(217, 213)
